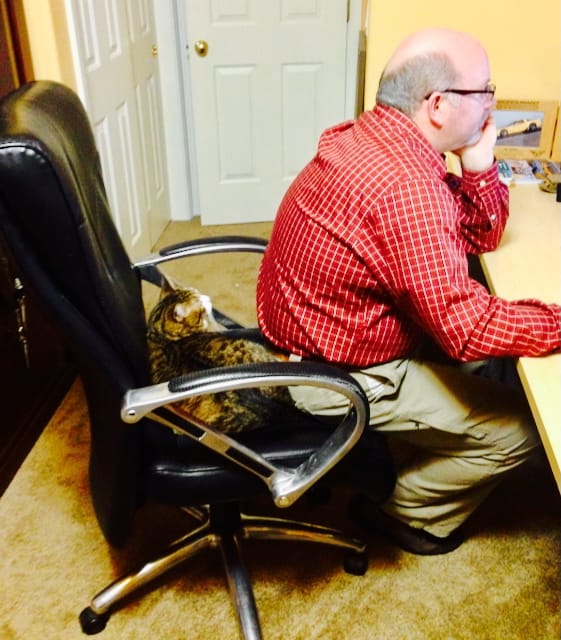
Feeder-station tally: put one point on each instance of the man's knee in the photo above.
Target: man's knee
(513, 438)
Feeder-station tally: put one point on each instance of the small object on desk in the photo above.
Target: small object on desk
(545, 173)
(523, 171)
(505, 172)
(558, 196)
(552, 167)
(550, 183)
(537, 167)
(513, 172)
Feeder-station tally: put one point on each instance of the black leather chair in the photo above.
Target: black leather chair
(57, 224)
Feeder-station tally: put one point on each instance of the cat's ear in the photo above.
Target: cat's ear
(167, 286)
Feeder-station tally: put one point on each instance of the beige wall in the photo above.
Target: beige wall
(48, 41)
(523, 41)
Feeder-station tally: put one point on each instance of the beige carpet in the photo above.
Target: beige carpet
(502, 584)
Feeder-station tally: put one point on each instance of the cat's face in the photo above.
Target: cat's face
(182, 311)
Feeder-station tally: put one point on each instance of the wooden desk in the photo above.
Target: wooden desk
(527, 264)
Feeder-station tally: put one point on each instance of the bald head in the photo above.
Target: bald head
(427, 61)
(454, 44)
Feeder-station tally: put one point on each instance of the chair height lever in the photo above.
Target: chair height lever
(21, 319)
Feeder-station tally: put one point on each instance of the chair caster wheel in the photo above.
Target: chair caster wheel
(355, 563)
(92, 622)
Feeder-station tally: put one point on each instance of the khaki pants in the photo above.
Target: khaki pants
(467, 431)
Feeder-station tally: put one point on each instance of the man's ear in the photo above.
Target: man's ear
(434, 108)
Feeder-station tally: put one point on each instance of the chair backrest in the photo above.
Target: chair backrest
(53, 192)
(56, 221)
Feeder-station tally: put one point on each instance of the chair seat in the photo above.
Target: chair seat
(181, 471)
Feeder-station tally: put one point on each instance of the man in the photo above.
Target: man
(368, 263)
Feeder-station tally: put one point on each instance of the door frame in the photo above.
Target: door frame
(176, 96)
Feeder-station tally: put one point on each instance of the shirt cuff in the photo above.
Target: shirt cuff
(482, 181)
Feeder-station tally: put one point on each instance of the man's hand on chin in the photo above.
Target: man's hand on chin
(480, 156)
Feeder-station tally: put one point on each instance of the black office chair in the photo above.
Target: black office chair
(56, 221)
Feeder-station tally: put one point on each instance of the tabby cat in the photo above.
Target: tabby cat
(183, 337)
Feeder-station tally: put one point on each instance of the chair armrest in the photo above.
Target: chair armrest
(218, 244)
(286, 485)
(148, 270)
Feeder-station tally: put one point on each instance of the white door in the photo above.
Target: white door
(267, 77)
(114, 42)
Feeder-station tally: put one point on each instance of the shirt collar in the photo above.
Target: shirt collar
(383, 118)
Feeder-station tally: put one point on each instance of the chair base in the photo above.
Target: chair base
(223, 527)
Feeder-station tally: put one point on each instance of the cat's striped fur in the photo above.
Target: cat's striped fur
(183, 337)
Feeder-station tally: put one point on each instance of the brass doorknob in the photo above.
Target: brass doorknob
(201, 48)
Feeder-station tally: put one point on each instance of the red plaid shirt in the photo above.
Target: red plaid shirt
(368, 255)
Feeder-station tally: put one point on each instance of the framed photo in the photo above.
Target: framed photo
(556, 147)
(525, 128)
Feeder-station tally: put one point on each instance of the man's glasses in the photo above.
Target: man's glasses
(488, 92)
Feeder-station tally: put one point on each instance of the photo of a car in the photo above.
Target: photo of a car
(526, 125)
(524, 128)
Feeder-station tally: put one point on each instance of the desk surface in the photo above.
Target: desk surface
(527, 264)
